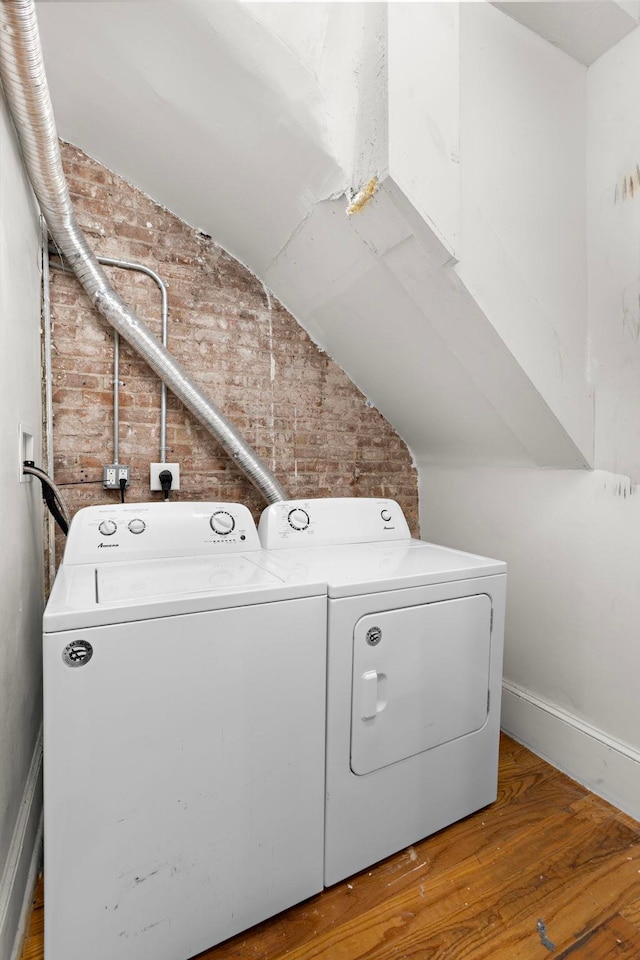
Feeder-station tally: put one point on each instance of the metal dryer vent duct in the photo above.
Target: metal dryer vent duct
(25, 86)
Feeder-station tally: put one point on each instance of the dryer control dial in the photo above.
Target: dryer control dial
(386, 515)
(107, 528)
(137, 526)
(222, 523)
(298, 518)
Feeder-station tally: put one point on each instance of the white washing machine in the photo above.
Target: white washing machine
(415, 640)
(184, 720)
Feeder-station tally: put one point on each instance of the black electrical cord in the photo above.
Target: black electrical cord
(51, 495)
(49, 499)
(123, 487)
(79, 483)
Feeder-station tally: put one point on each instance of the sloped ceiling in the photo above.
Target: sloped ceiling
(224, 122)
(193, 103)
(585, 29)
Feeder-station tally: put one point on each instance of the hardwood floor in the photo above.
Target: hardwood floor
(549, 870)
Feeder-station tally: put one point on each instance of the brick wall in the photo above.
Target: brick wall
(294, 405)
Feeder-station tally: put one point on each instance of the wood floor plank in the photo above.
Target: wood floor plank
(321, 931)
(631, 912)
(520, 805)
(490, 910)
(33, 948)
(525, 808)
(615, 938)
(475, 840)
(546, 850)
(38, 893)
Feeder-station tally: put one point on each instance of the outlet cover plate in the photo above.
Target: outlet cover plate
(26, 451)
(155, 469)
(112, 473)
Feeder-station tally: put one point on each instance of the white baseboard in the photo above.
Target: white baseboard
(21, 869)
(607, 767)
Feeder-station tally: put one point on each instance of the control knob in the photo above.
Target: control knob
(386, 515)
(107, 527)
(137, 526)
(222, 523)
(298, 518)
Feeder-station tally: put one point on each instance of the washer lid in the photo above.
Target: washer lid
(162, 579)
(86, 595)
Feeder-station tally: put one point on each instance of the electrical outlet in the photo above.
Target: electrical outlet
(109, 477)
(26, 448)
(113, 474)
(155, 469)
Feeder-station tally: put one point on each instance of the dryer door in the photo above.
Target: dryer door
(420, 678)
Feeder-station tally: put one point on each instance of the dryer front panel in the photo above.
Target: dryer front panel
(420, 679)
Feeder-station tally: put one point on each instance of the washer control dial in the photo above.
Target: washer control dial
(137, 526)
(298, 518)
(386, 515)
(107, 527)
(222, 523)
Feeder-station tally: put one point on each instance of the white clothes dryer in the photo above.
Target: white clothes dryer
(415, 641)
(184, 725)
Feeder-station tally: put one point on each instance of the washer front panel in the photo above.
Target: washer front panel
(420, 679)
(184, 777)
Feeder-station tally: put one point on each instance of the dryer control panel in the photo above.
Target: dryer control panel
(331, 520)
(143, 531)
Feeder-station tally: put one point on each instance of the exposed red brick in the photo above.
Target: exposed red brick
(310, 423)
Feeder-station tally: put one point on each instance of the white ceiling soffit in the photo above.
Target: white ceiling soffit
(156, 89)
(585, 29)
(231, 124)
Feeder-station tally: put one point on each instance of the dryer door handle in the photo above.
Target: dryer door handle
(369, 694)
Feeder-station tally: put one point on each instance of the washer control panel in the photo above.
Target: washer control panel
(331, 520)
(137, 531)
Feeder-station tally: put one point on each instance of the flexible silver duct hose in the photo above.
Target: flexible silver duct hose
(25, 86)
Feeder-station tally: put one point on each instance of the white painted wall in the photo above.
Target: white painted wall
(21, 559)
(572, 656)
(424, 117)
(522, 247)
(571, 538)
(614, 254)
